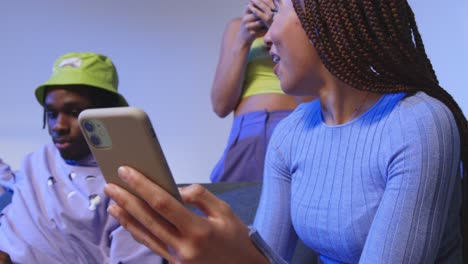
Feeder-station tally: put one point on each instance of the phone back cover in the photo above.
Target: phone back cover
(134, 144)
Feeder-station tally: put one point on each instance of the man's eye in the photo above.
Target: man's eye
(75, 112)
(51, 114)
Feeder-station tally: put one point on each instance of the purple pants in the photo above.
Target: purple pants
(243, 158)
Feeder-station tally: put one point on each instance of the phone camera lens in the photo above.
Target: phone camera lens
(89, 126)
(95, 140)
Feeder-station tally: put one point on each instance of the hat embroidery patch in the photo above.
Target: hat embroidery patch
(72, 62)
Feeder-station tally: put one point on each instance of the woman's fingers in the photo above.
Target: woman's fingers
(256, 27)
(263, 10)
(253, 24)
(263, 5)
(208, 203)
(142, 212)
(156, 197)
(165, 226)
(177, 218)
(248, 18)
(139, 232)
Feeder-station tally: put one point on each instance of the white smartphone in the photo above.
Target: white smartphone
(121, 136)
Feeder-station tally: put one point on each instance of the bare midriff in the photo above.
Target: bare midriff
(269, 102)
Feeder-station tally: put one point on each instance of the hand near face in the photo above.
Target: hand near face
(256, 19)
(164, 225)
(263, 11)
(4, 258)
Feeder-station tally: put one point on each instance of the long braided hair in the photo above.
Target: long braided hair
(375, 46)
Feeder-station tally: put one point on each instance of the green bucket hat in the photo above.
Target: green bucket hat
(83, 68)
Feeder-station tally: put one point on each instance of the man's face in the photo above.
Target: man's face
(62, 106)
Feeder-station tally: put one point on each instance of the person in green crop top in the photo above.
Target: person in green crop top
(246, 85)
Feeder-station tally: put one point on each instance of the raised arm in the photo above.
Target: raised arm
(229, 77)
(238, 37)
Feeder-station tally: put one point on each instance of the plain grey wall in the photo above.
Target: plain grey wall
(166, 53)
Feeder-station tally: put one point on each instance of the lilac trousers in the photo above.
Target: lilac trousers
(243, 158)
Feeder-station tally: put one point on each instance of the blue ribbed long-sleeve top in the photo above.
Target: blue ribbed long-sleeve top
(383, 188)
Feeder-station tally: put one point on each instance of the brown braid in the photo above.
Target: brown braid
(376, 46)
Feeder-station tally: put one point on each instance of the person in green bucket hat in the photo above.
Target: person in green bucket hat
(86, 71)
(58, 212)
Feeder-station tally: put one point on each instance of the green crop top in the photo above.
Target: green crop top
(259, 75)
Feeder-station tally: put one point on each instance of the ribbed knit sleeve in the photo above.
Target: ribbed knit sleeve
(422, 193)
(273, 218)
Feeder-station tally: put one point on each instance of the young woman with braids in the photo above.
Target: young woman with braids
(368, 173)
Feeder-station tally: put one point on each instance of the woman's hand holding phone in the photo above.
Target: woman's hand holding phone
(166, 226)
